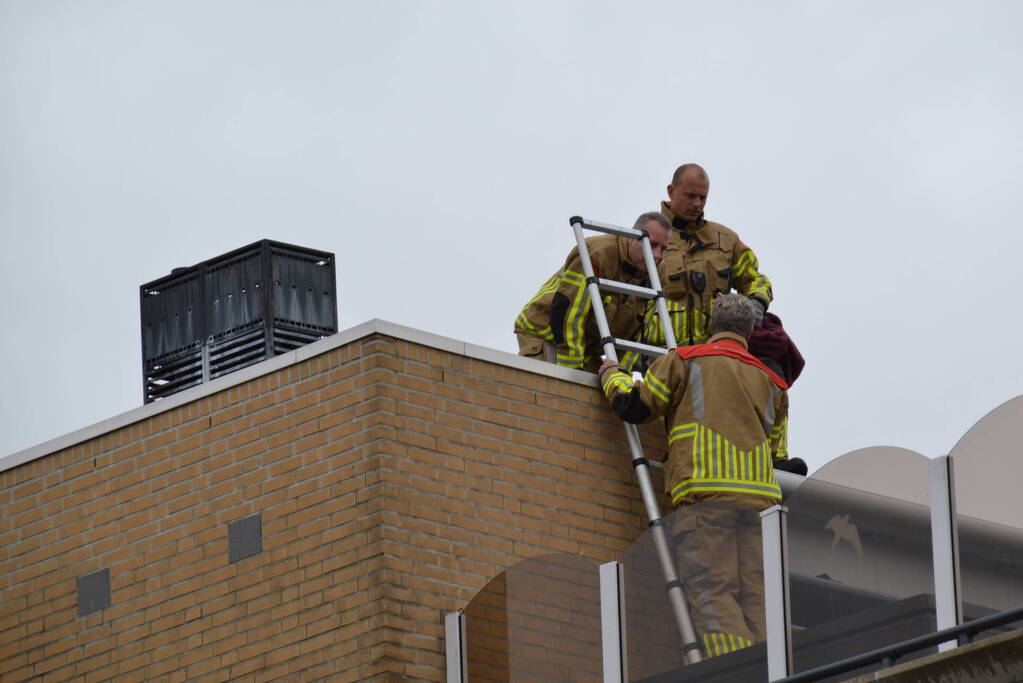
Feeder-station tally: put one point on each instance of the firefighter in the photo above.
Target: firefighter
(557, 324)
(702, 260)
(727, 418)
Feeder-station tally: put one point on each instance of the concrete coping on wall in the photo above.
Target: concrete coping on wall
(284, 360)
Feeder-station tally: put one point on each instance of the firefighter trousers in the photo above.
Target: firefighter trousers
(720, 555)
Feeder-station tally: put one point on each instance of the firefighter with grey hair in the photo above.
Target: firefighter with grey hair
(727, 420)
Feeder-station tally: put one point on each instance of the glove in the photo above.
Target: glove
(758, 312)
(793, 465)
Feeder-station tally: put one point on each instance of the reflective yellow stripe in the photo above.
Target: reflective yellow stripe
(780, 439)
(720, 465)
(681, 431)
(711, 644)
(548, 287)
(748, 264)
(708, 485)
(574, 319)
(543, 332)
(617, 381)
(657, 387)
(570, 361)
(717, 643)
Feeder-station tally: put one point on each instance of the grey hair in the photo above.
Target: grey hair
(655, 216)
(732, 313)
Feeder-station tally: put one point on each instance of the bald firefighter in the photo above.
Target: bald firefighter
(557, 324)
(727, 418)
(704, 259)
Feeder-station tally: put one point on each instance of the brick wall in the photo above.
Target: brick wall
(394, 479)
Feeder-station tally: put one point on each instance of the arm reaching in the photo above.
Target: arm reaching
(644, 401)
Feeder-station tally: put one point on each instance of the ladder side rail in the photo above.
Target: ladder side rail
(672, 583)
(676, 597)
(593, 292)
(655, 284)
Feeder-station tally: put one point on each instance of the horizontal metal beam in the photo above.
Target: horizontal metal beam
(607, 228)
(626, 288)
(645, 349)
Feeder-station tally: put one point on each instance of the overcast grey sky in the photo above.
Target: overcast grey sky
(870, 153)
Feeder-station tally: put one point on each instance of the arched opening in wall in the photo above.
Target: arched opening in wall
(537, 621)
(987, 471)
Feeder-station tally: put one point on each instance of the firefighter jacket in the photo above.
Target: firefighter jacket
(727, 418)
(560, 313)
(702, 260)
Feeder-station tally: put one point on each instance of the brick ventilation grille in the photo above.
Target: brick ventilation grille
(394, 482)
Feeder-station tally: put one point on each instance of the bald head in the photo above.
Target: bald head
(687, 194)
(693, 170)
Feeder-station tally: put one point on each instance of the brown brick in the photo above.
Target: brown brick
(394, 482)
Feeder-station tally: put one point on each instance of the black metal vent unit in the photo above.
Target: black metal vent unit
(231, 311)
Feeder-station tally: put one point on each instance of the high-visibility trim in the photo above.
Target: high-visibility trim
(657, 387)
(542, 332)
(548, 288)
(690, 486)
(617, 381)
(696, 389)
(768, 421)
(686, 323)
(709, 645)
(716, 643)
(720, 465)
(748, 265)
(578, 308)
(570, 361)
(779, 438)
(681, 431)
(745, 261)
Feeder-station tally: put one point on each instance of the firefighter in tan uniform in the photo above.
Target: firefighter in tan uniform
(727, 417)
(557, 324)
(704, 259)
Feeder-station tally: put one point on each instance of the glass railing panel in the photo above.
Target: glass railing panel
(988, 472)
(860, 560)
(486, 633)
(538, 621)
(708, 543)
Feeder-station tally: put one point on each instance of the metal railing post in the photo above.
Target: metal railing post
(776, 592)
(948, 606)
(454, 646)
(612, 623)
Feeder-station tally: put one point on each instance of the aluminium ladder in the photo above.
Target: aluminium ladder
(594, 285)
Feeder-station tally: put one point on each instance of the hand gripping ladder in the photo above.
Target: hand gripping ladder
(594, 285)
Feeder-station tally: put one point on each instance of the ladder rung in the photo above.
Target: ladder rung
(631, 233)
(626, 288)
(645, 349)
